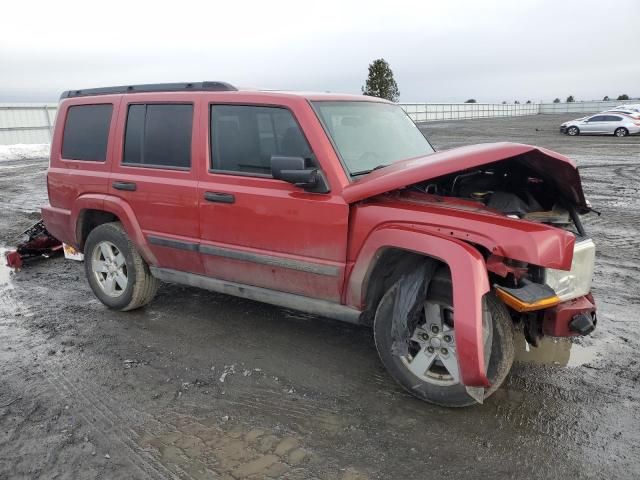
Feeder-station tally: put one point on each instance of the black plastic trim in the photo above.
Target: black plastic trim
(289, 263)
(152, 87)
(128, 186)
(219, 197)
(171, 243)
(302, 266)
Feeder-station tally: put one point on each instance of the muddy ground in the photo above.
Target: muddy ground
(200, 385)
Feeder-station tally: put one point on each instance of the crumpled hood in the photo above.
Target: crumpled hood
(549, 165)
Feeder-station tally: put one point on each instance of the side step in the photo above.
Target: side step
(273, 297)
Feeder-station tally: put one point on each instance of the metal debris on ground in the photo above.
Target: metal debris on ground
(39, 243)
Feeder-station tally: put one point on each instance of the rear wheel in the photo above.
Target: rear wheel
(573, 131)
(429, 370)
(621, 132)
(116, 272)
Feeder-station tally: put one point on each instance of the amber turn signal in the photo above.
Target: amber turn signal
(521, 306)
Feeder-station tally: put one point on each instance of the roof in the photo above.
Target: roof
(211, 86)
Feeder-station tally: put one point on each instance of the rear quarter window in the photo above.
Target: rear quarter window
(86, 132)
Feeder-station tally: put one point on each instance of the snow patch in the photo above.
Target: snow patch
(22, 151)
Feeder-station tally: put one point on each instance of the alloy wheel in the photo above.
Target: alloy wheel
(109, 268)
(433, 356)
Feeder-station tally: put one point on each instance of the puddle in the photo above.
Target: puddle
(554, 351)
(5, 272)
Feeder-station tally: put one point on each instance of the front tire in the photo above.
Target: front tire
(116, 272)
(573, 131)
(435, 377)
(621, 132)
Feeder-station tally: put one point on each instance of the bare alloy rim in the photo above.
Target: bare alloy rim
(109, 268)
(432, 354)
(621, 132)
(572, 131)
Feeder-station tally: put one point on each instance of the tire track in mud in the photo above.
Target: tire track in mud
(89, 406)
(108, 420)
(614, 189)
(155, 432)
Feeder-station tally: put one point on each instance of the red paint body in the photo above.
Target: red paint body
(344, 230)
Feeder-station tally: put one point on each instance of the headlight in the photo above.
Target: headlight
(576, 282)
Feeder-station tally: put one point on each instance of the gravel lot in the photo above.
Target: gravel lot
(204, 386)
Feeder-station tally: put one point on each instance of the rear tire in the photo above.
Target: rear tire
(573, 131)
(116, 272)
(430, 388)
(621, 132)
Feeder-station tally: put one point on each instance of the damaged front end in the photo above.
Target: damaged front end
(517, 208)
(549, 299)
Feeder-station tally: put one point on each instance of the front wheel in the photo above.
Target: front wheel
(116, 272)
(573, 131)
(621, 132)
(428, 369)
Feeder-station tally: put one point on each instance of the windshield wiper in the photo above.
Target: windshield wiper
(364, 172)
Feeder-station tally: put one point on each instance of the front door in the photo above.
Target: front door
(594, 124)
(260, 231)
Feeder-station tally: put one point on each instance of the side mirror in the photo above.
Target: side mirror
(297, 171)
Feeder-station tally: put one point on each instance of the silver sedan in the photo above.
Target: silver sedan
(602, 124)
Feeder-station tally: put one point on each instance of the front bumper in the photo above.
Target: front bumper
(567, 318)
(563, 129)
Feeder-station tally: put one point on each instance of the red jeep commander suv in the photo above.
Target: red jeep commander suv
(335, 205)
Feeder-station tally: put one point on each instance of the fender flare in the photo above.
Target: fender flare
(469, 279)
(122, 210)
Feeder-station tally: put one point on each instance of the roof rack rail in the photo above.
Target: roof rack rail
(152, 87)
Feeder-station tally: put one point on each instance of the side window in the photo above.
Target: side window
(86, 132)
(158, 135)
(244, 138)
(613, 118)
(598, 118)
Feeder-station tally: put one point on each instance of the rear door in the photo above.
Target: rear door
(154, 173)
(613, 122)
(260, 231)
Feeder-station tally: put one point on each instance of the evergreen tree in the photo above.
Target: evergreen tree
(623, 97)
(570, 99)
(380, 82)
(557, 100)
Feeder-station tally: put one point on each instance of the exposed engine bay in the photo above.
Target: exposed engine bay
(515, 192)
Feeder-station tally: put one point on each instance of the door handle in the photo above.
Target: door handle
(129, 186)
(219, 197)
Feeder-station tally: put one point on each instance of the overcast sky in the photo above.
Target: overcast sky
(440, 51)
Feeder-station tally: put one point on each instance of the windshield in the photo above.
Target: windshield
(370, 135)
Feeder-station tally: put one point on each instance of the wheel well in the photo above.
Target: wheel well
(90, 219)
(389, 267)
